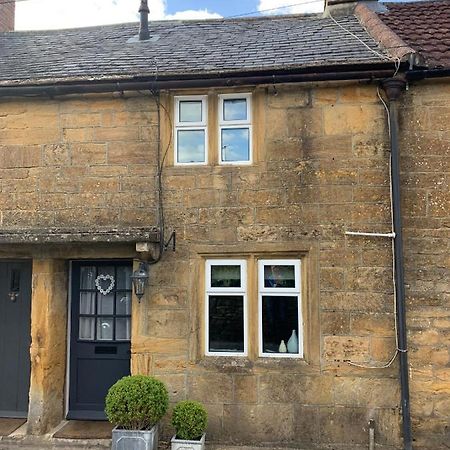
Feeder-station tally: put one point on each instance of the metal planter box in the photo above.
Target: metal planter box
(181, 444)
(135, 439)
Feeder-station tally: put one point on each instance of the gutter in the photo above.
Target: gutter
(52, 90)
(393, 88)
(415, 75)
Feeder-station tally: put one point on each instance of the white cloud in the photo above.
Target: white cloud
(193, 14)
(51, 14)
(291, 6)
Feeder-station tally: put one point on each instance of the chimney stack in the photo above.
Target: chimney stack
(343, 7)
(7, 13)
(144, 33)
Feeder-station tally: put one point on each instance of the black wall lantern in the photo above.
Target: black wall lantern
(140, 279)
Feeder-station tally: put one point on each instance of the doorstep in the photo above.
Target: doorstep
(49, 443)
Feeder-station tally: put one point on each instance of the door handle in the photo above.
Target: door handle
(14, 284)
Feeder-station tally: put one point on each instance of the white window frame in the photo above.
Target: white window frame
(280, 291)
(236, 124)
(190, 126)
(242, 291)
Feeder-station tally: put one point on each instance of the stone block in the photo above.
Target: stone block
(288, 97)
(125, 153)
(56, 155)
(116, 134)
(306, 423)
(176, 385)
(245, 389)
(382, 349)
(17, 157)
(211, 387)
(331, 279)
(366, 392)
(326, 147)
(259, 423)
(167, 323)
(439, 203)
(293, 388)
(88, 154)
(343, 425)
(369, 279)
(372, 324)
(346, 348)
(358, 95)
(335, 323)
(351, 119)
(166, 346)
(98, 185)
(304, 122)
(81, 120)
(163, 364)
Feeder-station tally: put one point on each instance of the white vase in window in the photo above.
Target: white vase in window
(292, 345)
(282, 348)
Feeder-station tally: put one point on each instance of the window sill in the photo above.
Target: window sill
(242, 364)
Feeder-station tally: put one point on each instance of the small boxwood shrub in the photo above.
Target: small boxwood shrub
(189, 419)
(136, 402)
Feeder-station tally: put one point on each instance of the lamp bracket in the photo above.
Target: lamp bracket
(172, 239)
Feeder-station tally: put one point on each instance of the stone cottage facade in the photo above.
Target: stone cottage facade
(261, 157)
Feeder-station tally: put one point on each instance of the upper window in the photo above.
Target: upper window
(191, 130)
(235, 129)
(234, 124)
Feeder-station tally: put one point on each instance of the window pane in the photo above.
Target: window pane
(190, 111)
(235, 109)
(226, 323)
(123, 303)
(105, 304)
(279, 276)
(225, 276)
(105, 329)
(191, 146)
(279, 319)
(123, 329)
(87, 277)
(87, 328)
(123, 277)
(235, 144)
(87, 302)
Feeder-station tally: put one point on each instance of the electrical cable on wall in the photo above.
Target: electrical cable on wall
(397, 349)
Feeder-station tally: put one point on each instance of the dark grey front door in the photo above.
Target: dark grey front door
(15, 339)
(100, 334)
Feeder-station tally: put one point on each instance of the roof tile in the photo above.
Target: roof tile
(185, 47)
(425, 26)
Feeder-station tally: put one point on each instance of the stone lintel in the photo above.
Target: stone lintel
(64, 236)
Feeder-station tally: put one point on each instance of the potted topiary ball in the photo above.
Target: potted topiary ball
(135, 405)
(189, 419)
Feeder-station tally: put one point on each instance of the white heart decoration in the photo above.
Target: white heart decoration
(109, 288)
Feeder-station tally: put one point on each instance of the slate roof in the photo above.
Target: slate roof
(425, 26)
(180, 48)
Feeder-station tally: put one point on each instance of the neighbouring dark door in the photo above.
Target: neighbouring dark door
(15, 337)
(100, 334)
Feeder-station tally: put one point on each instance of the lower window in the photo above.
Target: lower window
(277, 294)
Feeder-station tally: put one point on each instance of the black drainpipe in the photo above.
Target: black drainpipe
(393, 88)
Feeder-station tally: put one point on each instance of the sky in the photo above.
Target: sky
(50, 14)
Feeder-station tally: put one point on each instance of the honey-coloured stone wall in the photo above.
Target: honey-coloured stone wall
(77, 162)
(321, 168)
